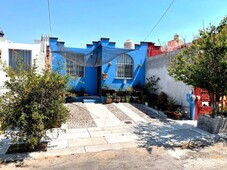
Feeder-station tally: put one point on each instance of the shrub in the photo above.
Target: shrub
(152, 84)
(162, 101)
(33, 104)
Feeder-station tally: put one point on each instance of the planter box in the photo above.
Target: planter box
(212, 125)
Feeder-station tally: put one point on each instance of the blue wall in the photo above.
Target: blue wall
(89, 82)
(139, 56)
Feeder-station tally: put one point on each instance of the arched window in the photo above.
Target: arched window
(124, 66)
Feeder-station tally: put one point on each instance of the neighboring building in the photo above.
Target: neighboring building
(173, 45)
(123, 71)
(10, 52)
(153, 50)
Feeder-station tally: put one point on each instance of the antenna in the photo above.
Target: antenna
(49, 17)
(203, 25)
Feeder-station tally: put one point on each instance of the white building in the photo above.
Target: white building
(28, 52)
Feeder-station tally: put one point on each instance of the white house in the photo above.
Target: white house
(28, 52)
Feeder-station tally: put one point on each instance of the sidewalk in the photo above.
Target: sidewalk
(112, 134)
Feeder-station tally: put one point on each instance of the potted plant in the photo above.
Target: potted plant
(129, 90)
(118, 99)
(108, 98)
(145, 100)
(122, 98)
(127, 98)
(105, 76)
(178, 113)
(114, 97)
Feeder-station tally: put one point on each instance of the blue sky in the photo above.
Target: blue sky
(78, 22)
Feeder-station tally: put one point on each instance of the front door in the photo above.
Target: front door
(99, 80)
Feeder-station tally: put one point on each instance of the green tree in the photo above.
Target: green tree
(204, 63)
(33, 103)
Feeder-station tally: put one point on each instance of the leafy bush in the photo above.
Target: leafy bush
(172, 104)
(162, 102)
(32, 104)
(152, 84)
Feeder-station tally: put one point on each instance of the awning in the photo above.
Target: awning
(91, 57)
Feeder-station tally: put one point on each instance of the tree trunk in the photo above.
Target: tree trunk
(222, 103)
(214, 100)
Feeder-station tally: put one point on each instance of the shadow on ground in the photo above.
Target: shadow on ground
(9, 158)
(148, 111)
(172, 134)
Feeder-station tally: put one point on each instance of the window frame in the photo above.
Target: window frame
(74, 69)
(124, 61)
(24, 54)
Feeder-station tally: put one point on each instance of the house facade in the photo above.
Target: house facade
(10, 53)
(123, 71)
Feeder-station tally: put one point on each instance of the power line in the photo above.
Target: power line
(49, 17)
(159, 20)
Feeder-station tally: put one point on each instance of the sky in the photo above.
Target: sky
(79, 22)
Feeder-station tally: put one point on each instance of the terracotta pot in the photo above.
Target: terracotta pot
(108, 100)
(177, 116)
(105, 76)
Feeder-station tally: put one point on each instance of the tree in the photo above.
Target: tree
(33, 103)
(204, 63)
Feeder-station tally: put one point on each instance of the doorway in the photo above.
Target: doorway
(99, 79)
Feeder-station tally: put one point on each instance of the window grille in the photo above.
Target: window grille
(124, 66)
(74, 69)
(23, 56)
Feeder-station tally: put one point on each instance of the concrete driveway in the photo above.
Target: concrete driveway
(120, 125)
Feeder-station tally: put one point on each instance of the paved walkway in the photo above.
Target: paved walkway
(102, 116)
(111, 133)
(135, 117)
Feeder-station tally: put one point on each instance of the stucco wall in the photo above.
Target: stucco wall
(158, 66)
(37, 54)
(89, 82)
(138, 55)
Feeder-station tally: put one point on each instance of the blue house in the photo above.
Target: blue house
(100, 65)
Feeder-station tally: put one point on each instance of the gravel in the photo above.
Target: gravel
(118, 113)
(79, 116)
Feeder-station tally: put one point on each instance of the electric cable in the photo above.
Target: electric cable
(159, 20)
